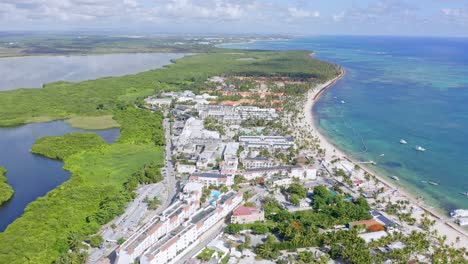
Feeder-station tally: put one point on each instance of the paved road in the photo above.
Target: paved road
(136, 211)
(170, 180)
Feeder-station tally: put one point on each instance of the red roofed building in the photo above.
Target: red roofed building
(247, 215)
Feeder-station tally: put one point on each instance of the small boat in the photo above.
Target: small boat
(464, 193)
(395, 178)
(402, 141)
(419, 148)
(433, 183)
(382, 155)
(459, 213)
(343, 102)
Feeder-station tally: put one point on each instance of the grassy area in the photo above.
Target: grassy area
(63, 100)
(93, 122)
(66, 145)
(6, 192)
(102, 183)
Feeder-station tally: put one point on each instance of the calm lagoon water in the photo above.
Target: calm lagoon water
(32, 176)
(34, 71)
(398, 88)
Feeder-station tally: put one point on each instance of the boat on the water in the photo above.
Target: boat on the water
(395, 178)
(343, 102)
(419, 148)
(433, 183)
(459, 213)
(404, 142)
(464, 193)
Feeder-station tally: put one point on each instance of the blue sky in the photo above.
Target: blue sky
(308, 17)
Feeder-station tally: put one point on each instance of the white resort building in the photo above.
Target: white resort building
(172, 234)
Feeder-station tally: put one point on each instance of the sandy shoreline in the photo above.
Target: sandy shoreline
(332, 152)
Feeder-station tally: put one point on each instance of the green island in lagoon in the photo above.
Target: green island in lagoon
(6, 192)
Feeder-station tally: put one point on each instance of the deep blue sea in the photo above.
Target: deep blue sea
(398, 88)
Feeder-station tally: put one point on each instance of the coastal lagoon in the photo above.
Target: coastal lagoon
(34, 71)
(30, 175)
(398, 88)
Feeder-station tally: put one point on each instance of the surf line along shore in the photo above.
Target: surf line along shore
(454, 234)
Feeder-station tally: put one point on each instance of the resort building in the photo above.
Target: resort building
(235, 114)
(230, 163)
(247, 215)
(208, 158)
(256, 163)
(160, 225)
(211, 178)
(185, 168)
(173, 245)
(167, 237)
(303, 173)
(281, 181)
(158, 102)
(195, 133)
(269, 142)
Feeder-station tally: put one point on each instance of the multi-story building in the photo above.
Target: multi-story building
(303, 173)
(269, 142)
(160, 225)
(230, 161)
(236, 114)
(212, 178)
(247, 215)
(173, 245)
(255, 163)
(195, 133)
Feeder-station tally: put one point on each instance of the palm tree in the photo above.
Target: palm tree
(75, 241)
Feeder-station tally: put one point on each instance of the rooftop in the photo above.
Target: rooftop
(272, 169)
(244, 210)
(209, 175)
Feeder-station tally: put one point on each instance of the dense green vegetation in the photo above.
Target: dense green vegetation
(305, 228)
(102, 182)
(6, 192)
(140, 127)
(66, 145)
(61, 100)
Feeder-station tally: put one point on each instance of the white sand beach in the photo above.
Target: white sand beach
(393, 192)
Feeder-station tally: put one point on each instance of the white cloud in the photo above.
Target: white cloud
(294, 12)
(338, 17)
(206, 9)
(456, 16)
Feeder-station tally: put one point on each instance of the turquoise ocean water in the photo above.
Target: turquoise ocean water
(398, 88)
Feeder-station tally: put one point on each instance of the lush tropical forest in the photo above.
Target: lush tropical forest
(104, 177)
(6, 192)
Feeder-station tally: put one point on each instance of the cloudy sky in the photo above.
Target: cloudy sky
(388, 17)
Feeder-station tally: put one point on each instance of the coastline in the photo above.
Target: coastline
(332, 152)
